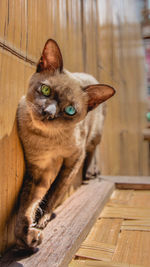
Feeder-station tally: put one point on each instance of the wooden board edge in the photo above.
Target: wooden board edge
(133, 186)
(129, 182)
(89, 212)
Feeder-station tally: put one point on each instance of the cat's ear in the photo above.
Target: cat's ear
(51, 58)
(97, 94)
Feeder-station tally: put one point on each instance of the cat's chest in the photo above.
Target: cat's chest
(54, 146)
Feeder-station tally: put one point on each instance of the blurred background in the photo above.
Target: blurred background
(109, 39)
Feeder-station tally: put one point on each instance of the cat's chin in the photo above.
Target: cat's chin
(43, 119)
(48, 119)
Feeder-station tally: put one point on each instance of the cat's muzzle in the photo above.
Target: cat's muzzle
(50, 111)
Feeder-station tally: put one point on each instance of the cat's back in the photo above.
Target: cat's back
(94, 120)
(84, 79)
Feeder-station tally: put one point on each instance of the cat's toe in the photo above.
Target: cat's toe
(43, 221)
(34, 237)
(27, 237)
(30, 240)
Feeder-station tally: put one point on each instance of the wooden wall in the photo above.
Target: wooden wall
(101, 37)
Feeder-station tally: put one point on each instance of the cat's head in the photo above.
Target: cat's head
(55, 97)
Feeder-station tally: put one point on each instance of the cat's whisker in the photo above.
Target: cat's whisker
(33, 107)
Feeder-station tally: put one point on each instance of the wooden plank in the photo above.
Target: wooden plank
(12, 71)
(117, 60)
(140, 198)
(64, 234)
(131, 198)
(129, 182)
(105, 231)
(136, 222)
(95, 263)
(136, 228)
(122, 197)
(96, 250)
(95, 254)
(136, 225)
(125, 212)
(133, 247)
(133, 186)
(101, 241)
(98, 246)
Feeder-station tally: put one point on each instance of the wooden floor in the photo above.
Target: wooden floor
(121, 235)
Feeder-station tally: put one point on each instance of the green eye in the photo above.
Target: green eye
(70, 110)
(45, 90)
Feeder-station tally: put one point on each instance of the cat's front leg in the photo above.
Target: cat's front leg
(33, 192)
(69, 170)
(26, 234)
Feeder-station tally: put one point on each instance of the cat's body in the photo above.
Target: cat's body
(55, 142)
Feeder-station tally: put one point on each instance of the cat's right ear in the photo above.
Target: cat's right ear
(98, 93)
(51, 58)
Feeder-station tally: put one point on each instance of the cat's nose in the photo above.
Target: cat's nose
(51, 109)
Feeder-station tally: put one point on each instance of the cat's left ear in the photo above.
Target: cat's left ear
(51, 58)
(97, 94)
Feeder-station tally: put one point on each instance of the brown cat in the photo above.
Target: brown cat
(60, 123)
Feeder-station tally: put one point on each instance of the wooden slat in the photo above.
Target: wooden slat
(141, 186)
(129, 182)
(64, 234)
(93, 263)
(136, 222)
(11, 155)
(101, 242)
(133, 247)
(105, 231)
(95, 254)
(122, 149)
(128, 243)
(122, 197)
(140, 198)
(96, 250)
(127, 212)
(136, 225)
(98, 246)
(131, 198)
(136, 228)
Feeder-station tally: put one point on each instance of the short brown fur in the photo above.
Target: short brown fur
(56, 144)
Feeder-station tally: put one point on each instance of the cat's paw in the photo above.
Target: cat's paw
(27, 237)
(43, 221)
(92, 172)
(31, 240)
(34, 237)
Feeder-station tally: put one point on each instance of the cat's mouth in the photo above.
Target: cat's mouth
(49, 117)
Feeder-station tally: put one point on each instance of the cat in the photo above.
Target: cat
(60, 122)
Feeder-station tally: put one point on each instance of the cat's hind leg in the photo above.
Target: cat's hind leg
(91, 164)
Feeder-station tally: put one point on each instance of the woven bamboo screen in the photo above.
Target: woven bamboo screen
(101, 37)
